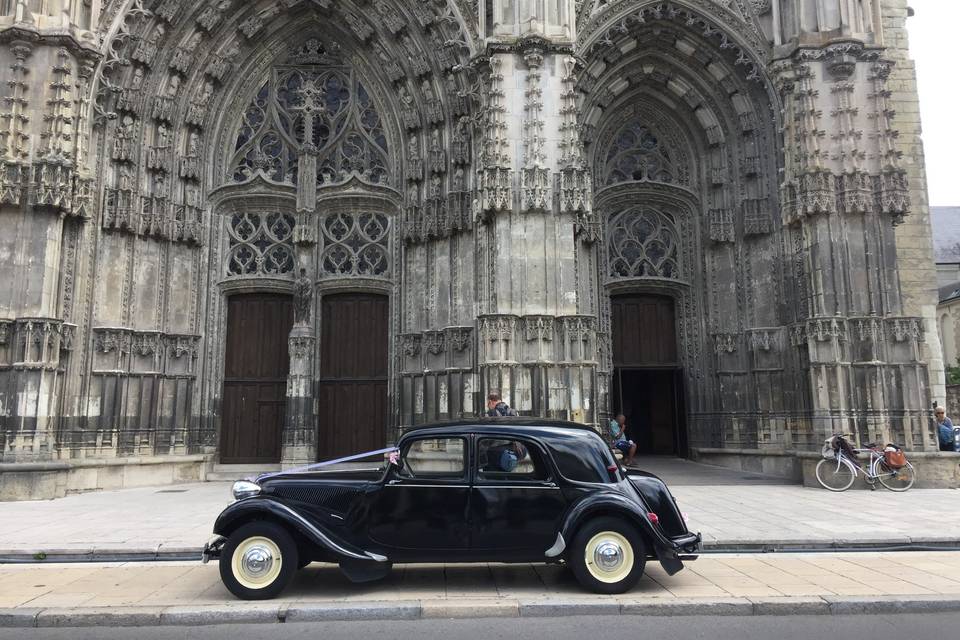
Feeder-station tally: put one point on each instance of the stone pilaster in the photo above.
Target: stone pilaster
(300, 424)
(846, 197)
(537, 334)
(44, 206)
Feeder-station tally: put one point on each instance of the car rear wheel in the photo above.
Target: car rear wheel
(258, 561)
(608, 555)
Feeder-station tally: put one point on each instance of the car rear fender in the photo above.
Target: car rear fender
(611, 504)
(262, 508)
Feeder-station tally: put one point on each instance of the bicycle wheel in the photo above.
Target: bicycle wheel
(836, 474)
(896, 479)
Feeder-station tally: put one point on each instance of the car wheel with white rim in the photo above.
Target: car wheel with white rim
(258, 560)
(608, 555)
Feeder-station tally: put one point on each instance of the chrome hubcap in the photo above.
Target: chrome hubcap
(608, 555)
(257, 561)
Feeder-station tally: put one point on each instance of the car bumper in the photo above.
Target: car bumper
(688, 544)
(212, 548)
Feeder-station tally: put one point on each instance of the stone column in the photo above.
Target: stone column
(538, 334)
(44, 205)
(845, 193)
(300, 424)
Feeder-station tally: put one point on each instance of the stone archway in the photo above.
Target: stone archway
(685, 164)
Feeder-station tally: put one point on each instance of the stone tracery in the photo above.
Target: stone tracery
(642, 243)
(320, 109)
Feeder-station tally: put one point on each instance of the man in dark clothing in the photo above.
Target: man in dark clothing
(497, 408)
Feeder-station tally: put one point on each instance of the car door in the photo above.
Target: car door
(516, 505)
(423, 505)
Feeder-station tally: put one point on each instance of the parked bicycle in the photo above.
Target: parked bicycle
(841, 465)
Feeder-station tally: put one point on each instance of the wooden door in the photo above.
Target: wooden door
(644, 331)
(646, 380)
(255, 377)
(354, 361)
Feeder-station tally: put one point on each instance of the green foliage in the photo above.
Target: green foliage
(953, 375)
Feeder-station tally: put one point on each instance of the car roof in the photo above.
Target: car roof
(519, 425)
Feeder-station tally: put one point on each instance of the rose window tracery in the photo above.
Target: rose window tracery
(642, 242)
(320, 109)
(355, 245)
(260, 244)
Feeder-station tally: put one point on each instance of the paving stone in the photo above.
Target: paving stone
(568, 607)
(500, 608)
(393, 610)
(19, 617)
(99, 617)
(790, 606)
(689, 607)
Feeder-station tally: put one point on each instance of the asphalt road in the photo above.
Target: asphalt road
(934, 626)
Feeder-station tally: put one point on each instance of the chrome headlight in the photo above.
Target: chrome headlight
(245, 489)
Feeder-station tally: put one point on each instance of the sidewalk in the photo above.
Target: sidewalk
(735, 511)
(189, 593)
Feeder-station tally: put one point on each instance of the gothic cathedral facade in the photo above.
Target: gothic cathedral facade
(274, 231)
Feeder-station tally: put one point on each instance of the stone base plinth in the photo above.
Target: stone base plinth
(48, 480)
(934, 470)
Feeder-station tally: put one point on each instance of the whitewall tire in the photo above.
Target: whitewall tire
(608, 555)
(258, 560)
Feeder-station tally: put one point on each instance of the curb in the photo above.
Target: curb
(256, 613)
(180, 554)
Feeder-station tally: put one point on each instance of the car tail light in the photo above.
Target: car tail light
(654, 518)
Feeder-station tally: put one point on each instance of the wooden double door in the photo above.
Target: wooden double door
(352, 389)
(256, 365)
(647, 384)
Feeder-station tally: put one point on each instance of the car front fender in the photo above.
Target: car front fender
(263, 508)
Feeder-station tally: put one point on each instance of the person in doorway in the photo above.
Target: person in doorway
(944, 429)
(497, 408)
(618, 429)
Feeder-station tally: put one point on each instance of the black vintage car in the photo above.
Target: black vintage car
(488, 490)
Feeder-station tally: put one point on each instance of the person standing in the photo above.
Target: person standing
(944, 429)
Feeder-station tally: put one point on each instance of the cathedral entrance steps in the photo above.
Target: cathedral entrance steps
(230, 472)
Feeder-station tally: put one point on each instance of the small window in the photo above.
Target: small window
(512, 460)
(434, 458)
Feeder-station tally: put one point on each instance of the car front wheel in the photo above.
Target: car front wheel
(608, 555)
(258, 561)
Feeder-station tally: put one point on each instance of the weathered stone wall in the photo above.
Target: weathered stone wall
(917, 271)
(133, 203)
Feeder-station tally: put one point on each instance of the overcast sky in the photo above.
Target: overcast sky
(933, 36)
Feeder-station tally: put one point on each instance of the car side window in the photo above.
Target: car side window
(434, 458)
(508, 459)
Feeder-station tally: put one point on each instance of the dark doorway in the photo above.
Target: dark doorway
(647, 384)
(353, 374)
(255, 377)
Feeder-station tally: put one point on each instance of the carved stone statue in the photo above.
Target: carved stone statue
(845, 17)
(302, 298)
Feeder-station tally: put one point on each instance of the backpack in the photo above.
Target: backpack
(893, 457)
